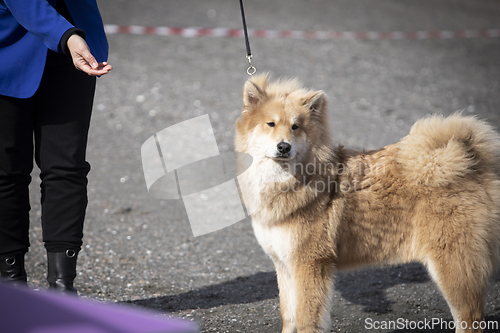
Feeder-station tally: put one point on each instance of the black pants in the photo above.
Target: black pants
(52, 126)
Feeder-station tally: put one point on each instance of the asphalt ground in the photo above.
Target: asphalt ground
(140, 251)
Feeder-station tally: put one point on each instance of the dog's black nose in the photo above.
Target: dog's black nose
(284, 147)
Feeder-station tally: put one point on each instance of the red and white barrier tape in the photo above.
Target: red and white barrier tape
(339, 35)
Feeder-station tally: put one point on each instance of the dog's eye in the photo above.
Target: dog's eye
(271, 124)
(295, 126)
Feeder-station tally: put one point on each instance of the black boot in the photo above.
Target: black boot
(62, 271)
(12, 268)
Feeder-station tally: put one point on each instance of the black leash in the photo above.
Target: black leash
(251, 69)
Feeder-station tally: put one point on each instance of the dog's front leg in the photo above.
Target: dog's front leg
(313, 289)
(288, 304)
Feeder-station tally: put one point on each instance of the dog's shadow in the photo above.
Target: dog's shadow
(366, 288)
(242, 290)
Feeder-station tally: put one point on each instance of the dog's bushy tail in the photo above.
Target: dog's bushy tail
(442, 150)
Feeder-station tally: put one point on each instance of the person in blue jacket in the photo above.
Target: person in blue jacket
(51, 52)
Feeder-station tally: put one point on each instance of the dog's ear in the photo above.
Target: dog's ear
(315, 102)
(254, 91)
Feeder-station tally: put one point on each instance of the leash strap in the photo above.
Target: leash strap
(251, 69)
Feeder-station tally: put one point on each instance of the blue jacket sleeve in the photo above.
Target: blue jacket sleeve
(41, 20)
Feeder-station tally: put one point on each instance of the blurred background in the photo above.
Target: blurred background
(139, 250)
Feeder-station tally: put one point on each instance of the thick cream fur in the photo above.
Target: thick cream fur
(434, 198)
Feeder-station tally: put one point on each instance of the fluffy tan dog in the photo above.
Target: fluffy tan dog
(434, 198)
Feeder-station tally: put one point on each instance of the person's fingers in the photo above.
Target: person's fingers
(99, 71)
(105, 66)
(89, 58)
(82, 65)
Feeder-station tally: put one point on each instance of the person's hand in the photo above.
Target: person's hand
(83, 59)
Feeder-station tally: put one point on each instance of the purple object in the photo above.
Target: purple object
(23, 310)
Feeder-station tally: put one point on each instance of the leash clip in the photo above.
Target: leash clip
(251, 70)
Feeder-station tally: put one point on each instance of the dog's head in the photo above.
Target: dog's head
(281, 120)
